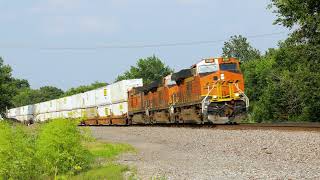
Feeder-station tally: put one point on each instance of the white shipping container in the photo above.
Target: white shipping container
(26, 110)
(17, 111)
(36, 117)
(52, 105)
(119, 90)
(43, 107)
(59, 114)
(60, 104)
(76, 113)
(103, 96)
(67, 103)
(104, 111)
(91, 112)
(36, 109)
(42, 117)
(64, 104)
(89, 98)
(77, 101)
(54, 115)
(24, 118)
(11, 113)
(64, 114)
(119, 109)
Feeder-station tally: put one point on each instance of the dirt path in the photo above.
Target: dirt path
(185, 153)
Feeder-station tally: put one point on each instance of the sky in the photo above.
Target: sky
(67, 43)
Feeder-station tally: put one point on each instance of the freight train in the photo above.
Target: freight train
(210, 91)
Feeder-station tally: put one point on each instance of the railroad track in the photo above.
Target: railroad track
(275, 126)
(241, 126)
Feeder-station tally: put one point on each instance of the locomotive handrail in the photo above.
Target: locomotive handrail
(205, 98)
(244, 95)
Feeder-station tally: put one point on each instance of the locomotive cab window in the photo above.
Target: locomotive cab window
(170, 82)
(229, 67)
(207, 68)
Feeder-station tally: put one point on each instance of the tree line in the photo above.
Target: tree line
(283, 83)
(17, 92)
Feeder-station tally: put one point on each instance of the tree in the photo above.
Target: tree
(239, 47)
(302, 15)
(283, 85)
(149, 69)
(9, 86)
(82, 89)
(49, 92)
(5, 86)
(28, 96)
(25, 97)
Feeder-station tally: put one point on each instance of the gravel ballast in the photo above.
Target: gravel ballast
(187, 153)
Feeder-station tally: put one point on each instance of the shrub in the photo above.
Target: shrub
(17, 159)
(60, 150)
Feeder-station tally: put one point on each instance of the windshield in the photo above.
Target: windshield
(208, 68)
(229, 67)
(170, 82)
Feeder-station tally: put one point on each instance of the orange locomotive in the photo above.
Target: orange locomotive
(211, 91)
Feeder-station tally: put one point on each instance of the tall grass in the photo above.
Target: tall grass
(57, 150)
(17, 149)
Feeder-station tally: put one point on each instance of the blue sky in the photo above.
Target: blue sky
(29, 27)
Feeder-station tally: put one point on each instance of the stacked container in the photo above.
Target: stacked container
(108, 101)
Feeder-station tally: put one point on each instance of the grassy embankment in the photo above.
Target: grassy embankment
(57, 150)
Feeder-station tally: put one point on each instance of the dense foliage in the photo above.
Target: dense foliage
(32, 96)
(27, 95)
(9, 86)
(149, 69)
(16, 153)
(284, 84)
(56, 150)
(302, 15)
(238, 47)
(59, 148)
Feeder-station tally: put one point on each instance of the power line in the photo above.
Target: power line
(172, 44)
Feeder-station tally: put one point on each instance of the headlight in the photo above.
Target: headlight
(215, 97)
(236, 94)
(222, 76)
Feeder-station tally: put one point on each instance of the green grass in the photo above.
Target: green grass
(109, 171)
(108, 150)
(105, 168)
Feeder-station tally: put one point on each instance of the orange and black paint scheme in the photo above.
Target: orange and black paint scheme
(211, 91)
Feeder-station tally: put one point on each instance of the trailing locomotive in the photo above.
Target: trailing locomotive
(211, 91)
